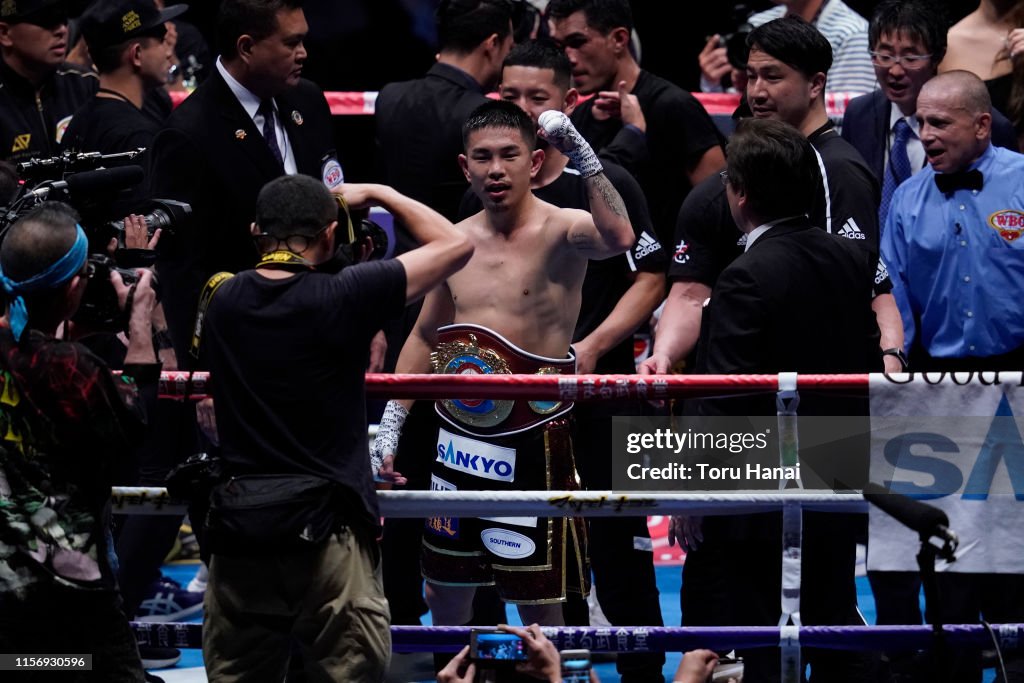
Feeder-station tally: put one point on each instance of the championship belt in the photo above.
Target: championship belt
(475, 350)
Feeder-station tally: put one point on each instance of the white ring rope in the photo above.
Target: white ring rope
(145, 500)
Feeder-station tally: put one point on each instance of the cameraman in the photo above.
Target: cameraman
(67, 424)
(544, 663)
(288, 346)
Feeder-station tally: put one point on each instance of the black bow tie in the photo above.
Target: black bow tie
(949, 183)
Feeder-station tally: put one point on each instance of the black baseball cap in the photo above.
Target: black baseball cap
(16, 11)
(112, 22)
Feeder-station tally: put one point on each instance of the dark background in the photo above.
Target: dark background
(357, 45)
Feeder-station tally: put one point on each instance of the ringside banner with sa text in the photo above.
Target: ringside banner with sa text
(952, 441)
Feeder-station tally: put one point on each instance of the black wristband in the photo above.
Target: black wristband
(899, 354)
(162, 340)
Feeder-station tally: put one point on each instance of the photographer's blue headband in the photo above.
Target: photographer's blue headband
(57, 274)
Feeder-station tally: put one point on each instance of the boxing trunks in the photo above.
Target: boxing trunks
(503, 445)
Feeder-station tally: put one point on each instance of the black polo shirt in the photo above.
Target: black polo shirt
(707, 239)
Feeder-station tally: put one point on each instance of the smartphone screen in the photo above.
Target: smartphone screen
(575, 666)
(495, 647)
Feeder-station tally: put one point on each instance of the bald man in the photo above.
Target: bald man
(976, 192)
(953, 248)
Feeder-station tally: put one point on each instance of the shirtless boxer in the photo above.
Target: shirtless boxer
(511, 309)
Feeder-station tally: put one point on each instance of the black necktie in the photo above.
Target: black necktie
(949, 183)
(269, 130)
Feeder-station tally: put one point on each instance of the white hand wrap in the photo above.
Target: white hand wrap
(558, 130)
(388, 433)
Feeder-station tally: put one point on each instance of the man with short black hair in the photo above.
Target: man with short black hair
(513, 308)
(908, 41)
(419, 122)
(251, 121)
(786, 73)
(320, 585)
(69, 426)
(619, 295)
(419, 139)
(127, 46)
(653, 128)
(801, 299)
(126, 42)
(39, 92)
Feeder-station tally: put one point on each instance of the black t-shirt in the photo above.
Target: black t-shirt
(110, 126)
(607, 279)
(707, 239)
(679, 132)
(290, 357)
(850, 206)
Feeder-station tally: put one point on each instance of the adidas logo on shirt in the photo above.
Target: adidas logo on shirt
(645, 246)
(851, 232)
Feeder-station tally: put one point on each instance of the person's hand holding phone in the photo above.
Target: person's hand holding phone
(458, 670)
(542, 659)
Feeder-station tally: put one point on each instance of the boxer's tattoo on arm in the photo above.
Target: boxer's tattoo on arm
(609, 195)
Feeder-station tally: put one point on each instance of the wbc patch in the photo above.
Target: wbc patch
(331, 174)
(1009, 223)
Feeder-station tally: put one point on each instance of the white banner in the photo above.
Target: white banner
(952, 441)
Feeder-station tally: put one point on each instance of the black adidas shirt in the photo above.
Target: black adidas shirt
(608, 279)
(707, 239)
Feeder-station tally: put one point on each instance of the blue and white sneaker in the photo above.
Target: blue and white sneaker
(168, 601)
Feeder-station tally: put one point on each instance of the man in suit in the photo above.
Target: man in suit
(254, 119)
(908, 40)
(797, 299)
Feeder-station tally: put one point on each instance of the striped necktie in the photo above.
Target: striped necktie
(898, 170)
(270, 130)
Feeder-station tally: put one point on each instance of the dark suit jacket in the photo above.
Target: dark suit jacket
(419, 136)
(211, 155)
(866, 127)
(798, 301)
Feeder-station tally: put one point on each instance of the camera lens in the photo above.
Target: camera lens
(158, 219)
(736, 49)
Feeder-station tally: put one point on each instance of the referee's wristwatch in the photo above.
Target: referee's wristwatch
(899, 355)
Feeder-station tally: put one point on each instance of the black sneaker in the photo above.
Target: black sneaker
(158, 657)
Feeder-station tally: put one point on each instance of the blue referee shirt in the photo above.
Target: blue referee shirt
(957, 262)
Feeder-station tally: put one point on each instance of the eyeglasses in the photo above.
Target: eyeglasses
(724, 175)
(909, 62)
(293, 243)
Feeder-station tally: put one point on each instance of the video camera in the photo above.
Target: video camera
(735, 42)
(162, 214)
(91, 183)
